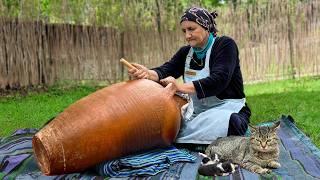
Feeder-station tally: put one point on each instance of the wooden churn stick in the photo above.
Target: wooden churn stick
(127, 64)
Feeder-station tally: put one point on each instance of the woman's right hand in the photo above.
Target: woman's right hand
(139, 72)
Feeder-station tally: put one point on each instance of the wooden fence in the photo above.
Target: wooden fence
(276, 40)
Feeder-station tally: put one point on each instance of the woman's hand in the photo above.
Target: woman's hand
(140, 72)
(184, 88)
(168, 80)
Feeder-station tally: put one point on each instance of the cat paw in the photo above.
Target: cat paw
(274, 164)
(263, 171)
(202, 155)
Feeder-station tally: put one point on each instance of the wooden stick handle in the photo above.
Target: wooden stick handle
(127, 64)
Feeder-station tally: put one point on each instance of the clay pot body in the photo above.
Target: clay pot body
(113, 122)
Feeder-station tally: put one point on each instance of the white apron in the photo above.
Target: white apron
(205, 119)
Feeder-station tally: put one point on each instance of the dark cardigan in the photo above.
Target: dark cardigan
(225, 80)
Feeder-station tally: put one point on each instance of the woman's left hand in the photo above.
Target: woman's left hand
(168, 80)
(184, 88)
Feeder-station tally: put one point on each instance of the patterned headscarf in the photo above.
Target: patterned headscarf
(202, 17)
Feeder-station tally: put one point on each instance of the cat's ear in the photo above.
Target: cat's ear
(252, 128)
(275, 125)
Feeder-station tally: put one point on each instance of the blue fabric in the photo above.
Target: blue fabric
(17, 160)
(301, 150)
(14, 151)
(201, 52)
(148, 163)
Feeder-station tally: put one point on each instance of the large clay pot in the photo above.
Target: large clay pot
(115, 121)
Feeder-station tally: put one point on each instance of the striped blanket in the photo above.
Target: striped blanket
(147, 163)
(299, 158)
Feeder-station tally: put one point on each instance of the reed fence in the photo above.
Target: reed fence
(276, 40)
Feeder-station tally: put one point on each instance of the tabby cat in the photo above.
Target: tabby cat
(257, 153)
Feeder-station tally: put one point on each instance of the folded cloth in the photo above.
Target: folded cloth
(14, 150)
(148, 163)
(11, 162)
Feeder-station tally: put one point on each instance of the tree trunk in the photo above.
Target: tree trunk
(158, 20)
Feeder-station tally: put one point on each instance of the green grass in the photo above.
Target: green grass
(298, 98)
(35, 109)
(268, 101)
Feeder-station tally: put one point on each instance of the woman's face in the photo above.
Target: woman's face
(194, 34)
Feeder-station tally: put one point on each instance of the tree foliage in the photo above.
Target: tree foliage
(115, 13)
(120, 14)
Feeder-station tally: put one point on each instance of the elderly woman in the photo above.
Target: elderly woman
(212, 77)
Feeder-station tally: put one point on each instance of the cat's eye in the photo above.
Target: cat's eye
(269, 140)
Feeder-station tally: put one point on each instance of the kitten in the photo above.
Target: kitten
(215, 167)
(257, 153)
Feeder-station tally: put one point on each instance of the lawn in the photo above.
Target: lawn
(298, 98)
(268, 101)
